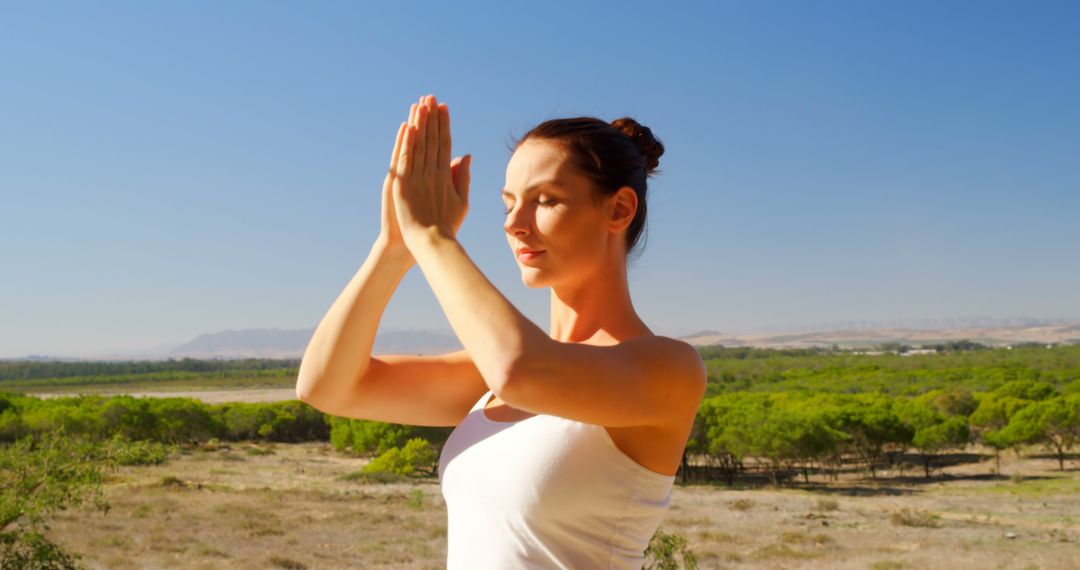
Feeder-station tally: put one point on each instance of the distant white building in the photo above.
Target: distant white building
(918, 351)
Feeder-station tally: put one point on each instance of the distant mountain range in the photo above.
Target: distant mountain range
(996, 335)
(278, 343)
(940, 323)
(291, 343)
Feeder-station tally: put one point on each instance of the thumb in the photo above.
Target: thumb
(461, 175)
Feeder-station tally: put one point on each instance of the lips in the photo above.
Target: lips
(526, 254)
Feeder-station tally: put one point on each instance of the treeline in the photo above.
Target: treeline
(731, 369)
(188, 421)
(802, 432)
(166, 420)
(780, 432)
(741, 369)
(31, 370)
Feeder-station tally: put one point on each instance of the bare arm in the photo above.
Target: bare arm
(340, 350)
(339, 354)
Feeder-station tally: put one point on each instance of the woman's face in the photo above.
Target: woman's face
(550, 207)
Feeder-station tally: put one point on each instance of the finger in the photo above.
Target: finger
(412, 114)
(457, 174)
(397, 146)
(406, 159)
(444, 135)
(467, 179)
(460, 171)
(420, 149)
(431, 136)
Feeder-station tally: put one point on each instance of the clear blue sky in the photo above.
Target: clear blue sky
(174, 168)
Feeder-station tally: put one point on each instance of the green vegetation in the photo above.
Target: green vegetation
(89, 377)
(786, 412)
(665, 550)
(37, 478)
(798, 432)
(416, 457)
(28, 370)
(370, 438)
(165, 420)
(823, 370)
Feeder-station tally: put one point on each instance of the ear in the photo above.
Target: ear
(622, 206)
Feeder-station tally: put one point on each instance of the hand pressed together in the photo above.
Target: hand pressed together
(428, 190)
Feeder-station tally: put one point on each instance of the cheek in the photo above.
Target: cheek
(567, 233)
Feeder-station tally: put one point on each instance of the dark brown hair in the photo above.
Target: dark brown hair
(616, 154)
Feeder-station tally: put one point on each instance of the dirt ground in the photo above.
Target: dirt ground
(207, 396)
(286, 506)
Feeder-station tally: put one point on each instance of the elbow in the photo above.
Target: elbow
(532, 360)
(303, 389)
(301, 392)
(308, 394)
(517, 374)
(308, 384)
(311, 374)
(501, 384)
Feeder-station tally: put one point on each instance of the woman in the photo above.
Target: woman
(566, 443)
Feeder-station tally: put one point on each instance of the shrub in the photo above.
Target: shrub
(417, 455)
(30, 549)
(139, 452)
(662, 550)
(910, 517)
(39, 477)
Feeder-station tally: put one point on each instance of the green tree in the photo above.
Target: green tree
(1054, 423)
(948, 434)
(871, 424)
(994, 413)
(1026, 390)
(956, 401)
(39, 476)
(933, 431)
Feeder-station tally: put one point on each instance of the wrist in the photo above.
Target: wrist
(423, 239)
(393, 251)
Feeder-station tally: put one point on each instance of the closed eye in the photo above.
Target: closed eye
(542, 203)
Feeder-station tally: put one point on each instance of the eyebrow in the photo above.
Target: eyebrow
(505, 192)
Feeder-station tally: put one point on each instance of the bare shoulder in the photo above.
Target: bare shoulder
(679, 360)
(670, 351)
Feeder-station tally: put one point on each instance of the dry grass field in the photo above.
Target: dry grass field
(244, 505)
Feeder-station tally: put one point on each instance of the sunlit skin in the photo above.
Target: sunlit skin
(599, 364)
(584, 243)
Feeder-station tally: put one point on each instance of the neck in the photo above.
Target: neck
(597, 308)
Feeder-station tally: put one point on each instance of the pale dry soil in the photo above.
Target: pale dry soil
(250, 395)
(288, 508)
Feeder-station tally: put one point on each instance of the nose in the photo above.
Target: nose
(518, 222)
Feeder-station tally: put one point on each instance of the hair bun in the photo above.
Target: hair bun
(650, 146)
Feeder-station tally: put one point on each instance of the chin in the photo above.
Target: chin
(532, 279)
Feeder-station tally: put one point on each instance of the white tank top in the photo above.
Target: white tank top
(545, 492)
